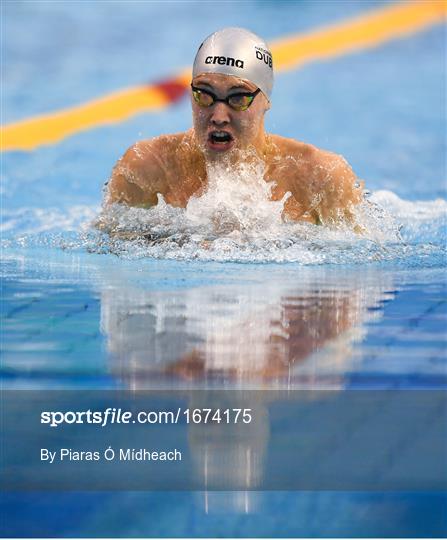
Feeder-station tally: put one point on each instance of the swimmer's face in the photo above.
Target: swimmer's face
(219, 128)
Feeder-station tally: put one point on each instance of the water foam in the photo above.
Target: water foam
(32, 221)
(235, 220)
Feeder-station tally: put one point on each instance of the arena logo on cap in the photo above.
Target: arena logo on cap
(262, 54)
(224, 61)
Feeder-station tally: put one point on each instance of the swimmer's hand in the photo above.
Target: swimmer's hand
(108, 222)
(129, 235)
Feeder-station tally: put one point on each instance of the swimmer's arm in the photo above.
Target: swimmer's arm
(337, 189)
(137, 178)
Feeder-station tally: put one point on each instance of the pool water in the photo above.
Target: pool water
(277, 307)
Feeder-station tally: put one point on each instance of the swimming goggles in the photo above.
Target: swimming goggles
(239, 101)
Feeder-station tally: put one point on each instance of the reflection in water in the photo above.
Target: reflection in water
(278, 334)
(230, 456)
(264, 335)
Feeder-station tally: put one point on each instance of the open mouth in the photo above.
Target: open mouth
(220, 140)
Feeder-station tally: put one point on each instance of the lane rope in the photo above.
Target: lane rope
(365, 31)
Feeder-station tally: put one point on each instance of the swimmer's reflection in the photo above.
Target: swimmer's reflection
(233, 457)
(278, 335)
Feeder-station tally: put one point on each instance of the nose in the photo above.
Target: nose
(220, 114)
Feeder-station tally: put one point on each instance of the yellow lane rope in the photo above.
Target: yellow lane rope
(113, 108)
(367, 30)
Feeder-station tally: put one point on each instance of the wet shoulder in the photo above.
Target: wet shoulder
(159, 149)
(285, 147)
(150, 160)
(307, 160)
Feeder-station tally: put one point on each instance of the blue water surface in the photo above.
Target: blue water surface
(75, 315)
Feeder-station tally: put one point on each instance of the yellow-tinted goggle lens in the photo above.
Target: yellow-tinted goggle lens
(202, 99)
(239, 102)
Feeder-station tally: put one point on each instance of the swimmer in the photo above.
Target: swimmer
(231, 88)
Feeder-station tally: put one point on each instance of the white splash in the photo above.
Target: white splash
(235, 220)
(237, 202)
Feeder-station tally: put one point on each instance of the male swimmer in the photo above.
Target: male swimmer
(232, 82)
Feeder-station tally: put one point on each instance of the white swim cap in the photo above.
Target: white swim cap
(238, 52)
